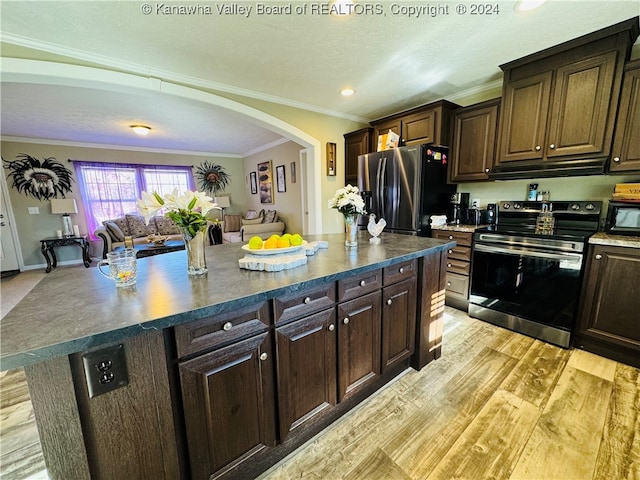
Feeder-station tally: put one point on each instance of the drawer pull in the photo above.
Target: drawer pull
(346, 321)
(538, 148)
(448, 284)
(362, 282)
(450, 252)
(332, 327)
(616, 159)
(449, 265)
(450, 237)
(401, 270)
(307, 299)
(264, 356)
(598, 257)
(389, 302)
(552, 146)
(227, 326)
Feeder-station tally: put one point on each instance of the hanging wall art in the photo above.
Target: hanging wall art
(212, 178)
(43, 180)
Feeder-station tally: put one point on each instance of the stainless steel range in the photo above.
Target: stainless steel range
(529, 281)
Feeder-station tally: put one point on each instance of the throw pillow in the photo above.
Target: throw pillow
(137, 225)
(121, 222)
(166, 226)
(114, 231)
(255, 221)
(252, 215)
(270, 217)
(232, 223)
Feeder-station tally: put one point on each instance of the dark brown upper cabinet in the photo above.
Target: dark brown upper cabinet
(355, 144)
(559, 106)
(473, 148)
(625, 155)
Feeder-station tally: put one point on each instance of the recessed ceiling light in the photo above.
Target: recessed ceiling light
(347, 92)
(526, 5)
(141, 129)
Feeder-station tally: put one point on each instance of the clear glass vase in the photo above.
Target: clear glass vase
(196, 259)
(351, 224)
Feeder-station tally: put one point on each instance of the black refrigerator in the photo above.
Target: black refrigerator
(405, 186)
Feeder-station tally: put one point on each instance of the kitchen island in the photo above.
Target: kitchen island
(220, 375)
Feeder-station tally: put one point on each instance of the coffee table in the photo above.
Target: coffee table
(151, 249)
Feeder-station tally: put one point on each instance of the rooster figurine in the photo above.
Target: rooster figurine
(375, 228)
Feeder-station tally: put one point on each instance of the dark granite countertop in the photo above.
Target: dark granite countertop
(603, 238)
(76, 308)
(458, 228)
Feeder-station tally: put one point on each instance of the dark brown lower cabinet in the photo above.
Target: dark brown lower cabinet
(229, 408)
(398, 322)
(306, 369)
(358, 344)
(609, 323)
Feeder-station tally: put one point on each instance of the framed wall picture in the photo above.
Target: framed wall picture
(280, 178)
(331, 159)
(265, 182)
(293, 172)
(253, 180)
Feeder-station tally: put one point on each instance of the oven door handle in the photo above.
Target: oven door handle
(526, 252)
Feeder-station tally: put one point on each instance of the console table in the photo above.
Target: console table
(48, 245)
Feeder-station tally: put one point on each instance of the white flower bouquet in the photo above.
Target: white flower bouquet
(348, 201)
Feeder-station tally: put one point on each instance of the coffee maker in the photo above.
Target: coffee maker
(459, 206)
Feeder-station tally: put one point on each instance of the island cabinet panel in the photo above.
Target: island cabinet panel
(625, 155)
(229, 408)
(398, 322)
(358, 344)
(306, 370)
(609, 324)
(356, 286)
(297, 305)
(399, 271)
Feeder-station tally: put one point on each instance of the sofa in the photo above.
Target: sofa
(112, 232)
(240, 228)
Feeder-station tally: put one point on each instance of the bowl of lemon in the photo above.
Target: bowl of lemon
(275, 244)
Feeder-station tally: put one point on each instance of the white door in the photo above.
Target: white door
(8, 254)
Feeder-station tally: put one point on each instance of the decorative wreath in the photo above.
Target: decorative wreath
(212, 178)
(41, 179)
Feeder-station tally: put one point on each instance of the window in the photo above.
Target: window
(110, 190)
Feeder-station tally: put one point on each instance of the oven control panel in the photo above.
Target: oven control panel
(572, 207)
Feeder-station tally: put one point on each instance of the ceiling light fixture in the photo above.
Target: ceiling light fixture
(526, 5)
(141, 129)
(347, 92)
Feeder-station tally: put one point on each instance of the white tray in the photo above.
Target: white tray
(272, 251)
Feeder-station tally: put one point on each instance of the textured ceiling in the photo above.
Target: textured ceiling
(393, 61)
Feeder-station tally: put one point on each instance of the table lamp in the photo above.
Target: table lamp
(223, 202)
(65, 206)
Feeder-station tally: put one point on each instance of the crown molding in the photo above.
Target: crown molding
(132, 68)
(104, 146)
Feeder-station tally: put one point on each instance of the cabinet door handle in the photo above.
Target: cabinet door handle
(264, 356)
(362, 282)
(448, 284)
(552, 146)
(538, 148)
(598, 257)
(486, 170)
(389, 302)
(616, 159)
(332, 327)
(227, 326)
(307, 299)
(346, 321)
(401, 270)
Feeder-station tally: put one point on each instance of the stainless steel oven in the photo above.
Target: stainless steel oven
(530, 282)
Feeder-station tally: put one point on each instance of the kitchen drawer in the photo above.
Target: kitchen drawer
(457, 284)
(460, 253)
(359, 285)
(461, 238)
(458, 266)
(301, 304)
(220, 330)
(399, 271)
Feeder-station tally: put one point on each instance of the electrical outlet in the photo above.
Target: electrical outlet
(34, 211)
(105, 370)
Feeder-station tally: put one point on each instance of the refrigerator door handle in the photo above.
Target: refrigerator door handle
(379, 177)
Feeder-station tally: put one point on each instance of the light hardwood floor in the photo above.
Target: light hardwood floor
(497, 405)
